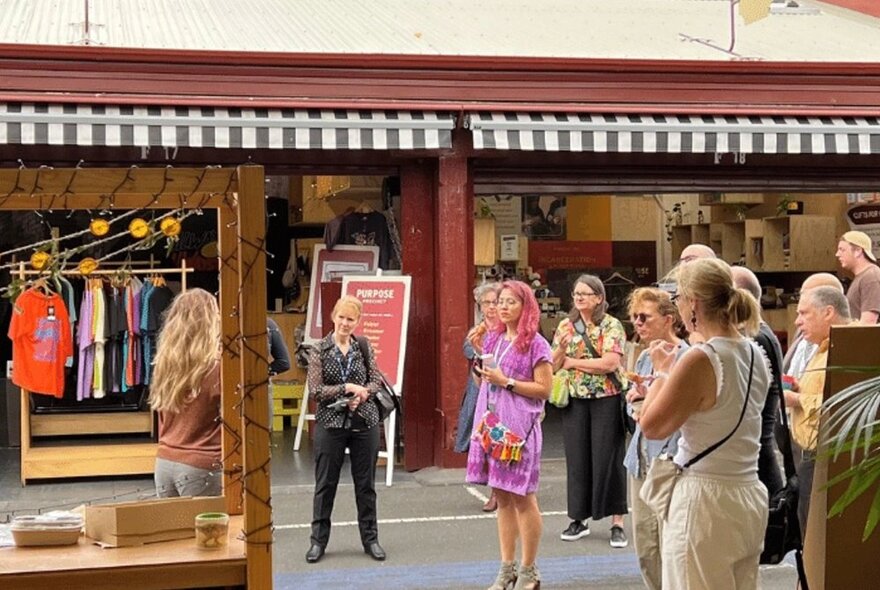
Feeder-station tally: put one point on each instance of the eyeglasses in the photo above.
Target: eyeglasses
(582, 294)
(489, 303)
(641, 318)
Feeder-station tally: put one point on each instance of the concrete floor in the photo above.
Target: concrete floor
(430, 525)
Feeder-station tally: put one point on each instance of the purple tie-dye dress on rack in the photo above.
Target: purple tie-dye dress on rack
(517, 412)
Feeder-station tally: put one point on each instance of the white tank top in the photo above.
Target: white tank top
(737, 458)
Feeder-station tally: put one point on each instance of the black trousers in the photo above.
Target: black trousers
(330, 447)
(594, 443)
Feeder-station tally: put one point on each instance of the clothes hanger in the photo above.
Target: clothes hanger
(42, 285)
(616, 279)
(364, 208)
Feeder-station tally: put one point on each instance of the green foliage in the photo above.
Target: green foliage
(850, 425)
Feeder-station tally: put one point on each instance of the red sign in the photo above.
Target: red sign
(384, 319)
(545, 255)
(329, 266)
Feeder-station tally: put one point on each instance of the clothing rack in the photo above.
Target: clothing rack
(183, 269)
(89, 460)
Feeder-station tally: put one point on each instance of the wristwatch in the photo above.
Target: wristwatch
(510, 384)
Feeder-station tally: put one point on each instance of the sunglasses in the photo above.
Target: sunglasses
(641, 318)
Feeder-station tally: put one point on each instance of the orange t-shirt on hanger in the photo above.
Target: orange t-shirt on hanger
(41, 342)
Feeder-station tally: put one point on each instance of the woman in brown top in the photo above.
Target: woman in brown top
(185, 391)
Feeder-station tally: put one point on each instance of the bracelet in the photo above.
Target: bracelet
(659, 374)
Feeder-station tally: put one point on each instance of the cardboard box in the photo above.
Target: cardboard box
(148, 521)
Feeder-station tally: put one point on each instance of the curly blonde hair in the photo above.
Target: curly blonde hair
(188, 348)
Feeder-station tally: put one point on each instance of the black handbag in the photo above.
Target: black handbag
(385, 398)
(626, 421)
(783, 533)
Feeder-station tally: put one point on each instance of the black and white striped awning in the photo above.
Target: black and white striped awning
(686, 134)
(202, 127)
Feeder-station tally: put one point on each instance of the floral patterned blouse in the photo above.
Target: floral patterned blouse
(608, 336)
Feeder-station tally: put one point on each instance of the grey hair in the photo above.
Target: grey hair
(829, 296)
(744, 278)
(598, 287)
(484, 288)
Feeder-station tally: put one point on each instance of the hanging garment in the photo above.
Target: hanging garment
(368, 229)
(99, 323)
(86, 350)
(67, 295)
(41, 342)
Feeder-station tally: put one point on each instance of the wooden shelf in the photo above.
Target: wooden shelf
(733, 241)
(711, 199)
(810, 239)
(91, 423)
(91, 460)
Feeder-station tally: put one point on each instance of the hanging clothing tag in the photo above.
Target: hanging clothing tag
(51, 313)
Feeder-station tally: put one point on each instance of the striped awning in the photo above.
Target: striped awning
(686, 134)
(206, 127)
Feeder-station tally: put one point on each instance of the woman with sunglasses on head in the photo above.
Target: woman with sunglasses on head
(589, 344)
(516, 382)
(486, 296)
(714, 394)
(655, 318)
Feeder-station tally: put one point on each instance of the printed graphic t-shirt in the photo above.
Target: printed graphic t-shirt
(41, 342)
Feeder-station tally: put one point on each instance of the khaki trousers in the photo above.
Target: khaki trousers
(714, 535)
(647, 534)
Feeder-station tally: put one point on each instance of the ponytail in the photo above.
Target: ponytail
(744, 311)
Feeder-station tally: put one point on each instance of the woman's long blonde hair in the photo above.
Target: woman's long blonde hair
(188, 348)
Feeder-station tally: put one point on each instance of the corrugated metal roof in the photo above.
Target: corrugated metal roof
(637, 29)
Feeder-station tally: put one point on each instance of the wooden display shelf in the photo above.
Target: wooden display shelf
(54, 462)
(170, 564)
(733, 241)
(754, 246)
(91, 423)
(711, 199)
(811, 243)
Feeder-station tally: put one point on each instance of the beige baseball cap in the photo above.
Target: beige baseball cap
(862, 240)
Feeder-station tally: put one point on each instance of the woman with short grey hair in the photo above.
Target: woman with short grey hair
(486, 297)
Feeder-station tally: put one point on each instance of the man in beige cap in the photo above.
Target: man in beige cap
(855, 255)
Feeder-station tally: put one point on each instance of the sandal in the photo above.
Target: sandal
(506, 576)
(528, 578)
(491, 504)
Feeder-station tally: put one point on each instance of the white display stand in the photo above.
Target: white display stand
(384, 320)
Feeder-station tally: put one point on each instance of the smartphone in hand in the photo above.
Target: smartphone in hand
(488, 361)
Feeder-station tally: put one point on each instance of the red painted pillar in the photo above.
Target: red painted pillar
(417, 228)
(454, 285)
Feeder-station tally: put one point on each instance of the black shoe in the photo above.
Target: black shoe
(315, 553)
(375, 551)
(576, 530)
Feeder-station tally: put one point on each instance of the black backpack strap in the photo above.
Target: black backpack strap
(741, 414)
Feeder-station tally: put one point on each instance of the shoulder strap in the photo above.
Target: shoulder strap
(364, 345)
(741, 414)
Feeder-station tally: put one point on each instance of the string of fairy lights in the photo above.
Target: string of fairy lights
(147, 233)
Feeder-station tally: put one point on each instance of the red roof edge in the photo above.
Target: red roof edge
(439, 62)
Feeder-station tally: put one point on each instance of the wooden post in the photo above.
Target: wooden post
(254, 374)
(227, 238)
(420, 372)
(455, 263)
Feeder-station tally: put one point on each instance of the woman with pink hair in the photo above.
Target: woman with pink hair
(517, 377)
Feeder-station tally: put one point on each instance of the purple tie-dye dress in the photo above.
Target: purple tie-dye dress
(518, 413)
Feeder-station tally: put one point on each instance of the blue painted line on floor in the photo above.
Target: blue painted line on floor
(554, 570)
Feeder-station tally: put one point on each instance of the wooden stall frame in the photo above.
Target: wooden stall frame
(238, 196)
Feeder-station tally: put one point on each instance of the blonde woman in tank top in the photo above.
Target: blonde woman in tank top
(718, 512)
